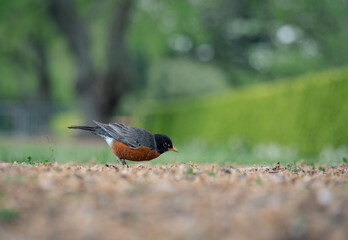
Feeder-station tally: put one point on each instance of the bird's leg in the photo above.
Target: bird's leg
(124, 163)
(120, 161)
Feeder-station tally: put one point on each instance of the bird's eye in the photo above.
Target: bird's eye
(165, 145)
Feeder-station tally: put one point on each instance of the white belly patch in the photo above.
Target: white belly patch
(109, 140)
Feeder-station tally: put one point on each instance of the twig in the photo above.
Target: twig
(51, 149)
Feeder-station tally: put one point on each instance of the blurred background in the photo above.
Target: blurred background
(246, 82)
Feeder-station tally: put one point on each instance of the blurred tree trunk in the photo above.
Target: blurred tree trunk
(118, 75)
(41, 64)
(98, 93)
(44, 92)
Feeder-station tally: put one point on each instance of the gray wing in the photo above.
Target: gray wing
(134, 137)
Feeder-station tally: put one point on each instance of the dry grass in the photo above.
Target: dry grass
(73, 201)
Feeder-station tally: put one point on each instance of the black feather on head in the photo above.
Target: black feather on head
(163, 143)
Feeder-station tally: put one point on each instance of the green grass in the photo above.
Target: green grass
(73, 150)
(8, 215)
(24, 151)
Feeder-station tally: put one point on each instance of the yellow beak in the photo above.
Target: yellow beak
(173, 149)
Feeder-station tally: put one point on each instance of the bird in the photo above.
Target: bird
(131, 143)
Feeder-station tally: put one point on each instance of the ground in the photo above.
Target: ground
(178, 201)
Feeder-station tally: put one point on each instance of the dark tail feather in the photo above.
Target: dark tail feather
(91, 129)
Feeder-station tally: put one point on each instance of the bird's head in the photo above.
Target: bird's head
(164, 143)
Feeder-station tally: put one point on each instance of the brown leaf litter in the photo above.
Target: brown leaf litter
(175, 201)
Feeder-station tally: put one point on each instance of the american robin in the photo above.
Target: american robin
(131, 143)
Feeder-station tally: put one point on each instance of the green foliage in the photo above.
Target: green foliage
(310, 111)
(165, 20)
(294, 168)
(345, 160)
(29, 160)
(8, 215)
(189, 171)
(243, 38)
(259, 181)
(18, 60)
(321, 168)
(182, 77)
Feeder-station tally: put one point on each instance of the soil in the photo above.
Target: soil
(179, 201)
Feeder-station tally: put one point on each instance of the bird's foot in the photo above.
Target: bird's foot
(112, 166)
(124, 163)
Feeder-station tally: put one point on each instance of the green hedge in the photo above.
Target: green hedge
(309, 111)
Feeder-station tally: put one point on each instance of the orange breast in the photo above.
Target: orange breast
(142, 153)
